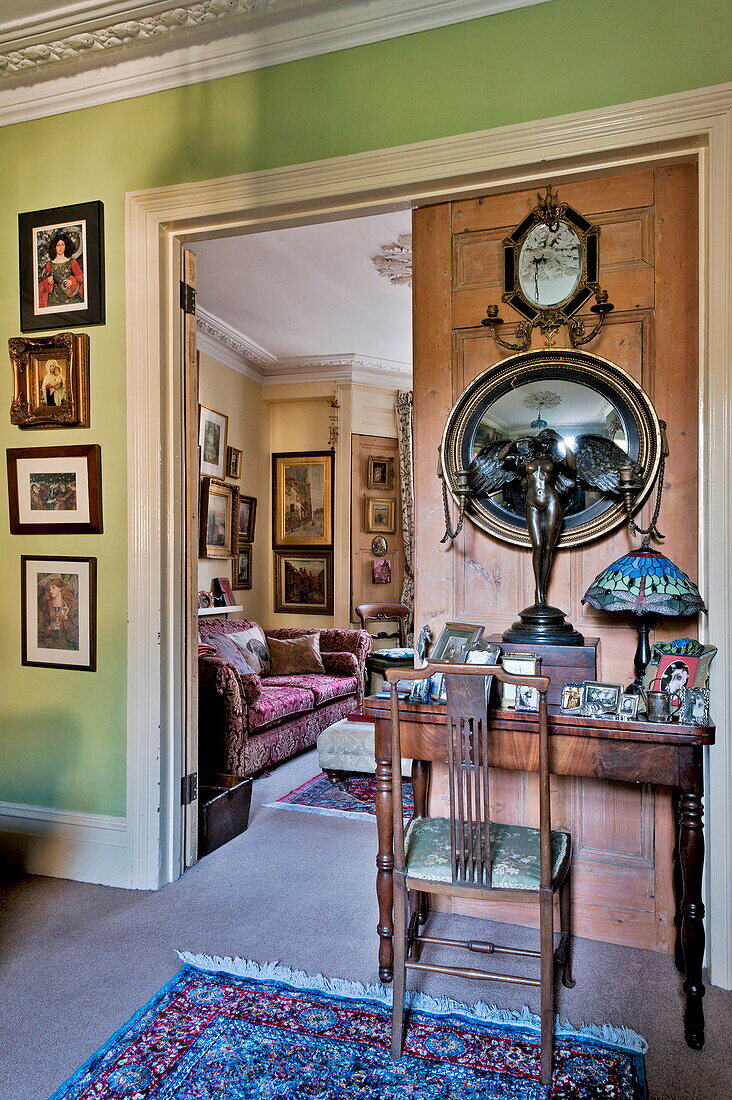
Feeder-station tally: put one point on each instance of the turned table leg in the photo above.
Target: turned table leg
(691, 861)
(384, 868)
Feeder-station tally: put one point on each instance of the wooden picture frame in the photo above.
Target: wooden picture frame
(50, 380)
(59, 612)
(218, 528)
(453, 639)
(241, 568)
(233, 463)
(302, 499)
(55, 490)
(303, 582)
(380, 516)
(380, 472)
(212, 431)
(61, 258)
(247, 519)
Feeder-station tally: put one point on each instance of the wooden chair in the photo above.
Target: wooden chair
(396, 613)
(468, 856)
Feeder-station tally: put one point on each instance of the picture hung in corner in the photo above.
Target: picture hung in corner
(212, 430)
(58, 612)
(242, 568)
(219, 532)
(247, 519)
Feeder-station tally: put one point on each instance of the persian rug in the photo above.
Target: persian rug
(234, 1030)
(320, 796)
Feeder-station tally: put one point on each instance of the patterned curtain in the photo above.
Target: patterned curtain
(404, 435)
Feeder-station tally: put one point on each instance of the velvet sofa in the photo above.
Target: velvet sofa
(249, 721)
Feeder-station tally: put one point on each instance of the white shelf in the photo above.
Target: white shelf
(219, 610)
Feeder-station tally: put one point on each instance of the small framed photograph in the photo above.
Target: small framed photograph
(242, 568)
(694, 707)
(483, 653)
(59, 612)
(527, 698)
(571, 698)
(380, 472)
(454, 638)
(628, 706)
(219, 508)
(304, 582)
(247, 520)
(380, 515)
(233, 463)
(55, 490)
(421, 690)
(381, 571)
(599, 698)
(212, 429)
(62, 267)
(50, 381)
(521, 664)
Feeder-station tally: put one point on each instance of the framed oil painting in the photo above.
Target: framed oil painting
(58, 612)
(380, 515)
(55, 490)
(379, 472)
(219, 532)
(212, 429)
(50, 381)
(233, 463)
(304, 582)
(242, 568)
(302, 505)
(247, 519)
(61, 253)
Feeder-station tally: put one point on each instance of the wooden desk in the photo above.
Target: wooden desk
(631, 752)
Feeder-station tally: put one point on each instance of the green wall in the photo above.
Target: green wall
(62, 733)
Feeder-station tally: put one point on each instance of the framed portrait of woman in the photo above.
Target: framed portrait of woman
(62, 267)
(59, 612)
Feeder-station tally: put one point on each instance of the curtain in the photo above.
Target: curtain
(404, 436)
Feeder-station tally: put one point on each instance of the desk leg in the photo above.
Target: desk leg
(384, 868)
(691, 859)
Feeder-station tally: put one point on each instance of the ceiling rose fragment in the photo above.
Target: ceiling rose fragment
(395, 260)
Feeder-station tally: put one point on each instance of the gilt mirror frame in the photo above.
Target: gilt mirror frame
(633, 406)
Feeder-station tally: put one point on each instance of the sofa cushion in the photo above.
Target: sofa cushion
(292, 656)
(252, 643)
(322, 687)
(221, 645)
(277, 704)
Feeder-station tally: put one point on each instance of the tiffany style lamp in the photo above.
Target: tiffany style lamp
(647, 584)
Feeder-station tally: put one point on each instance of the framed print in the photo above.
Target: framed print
(674, 665)
(55, 490)
(59, 612)
(521, 664)
(212, 428)
(628, 706)
(571, 698)
(380, 472)
(302, 505)
(454, 638)
(50, 381)
(381, 571)
(219, 537)
(379, 546)
(233, 463)
(380, 516)
(304, 582)
(527, 698)
(694, 707)
(247, 519)
(598, 698)
(242, 568)
(61, 253)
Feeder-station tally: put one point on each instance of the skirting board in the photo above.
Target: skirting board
(64, 844)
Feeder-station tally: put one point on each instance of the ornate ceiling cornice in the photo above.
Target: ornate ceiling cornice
(231, 338)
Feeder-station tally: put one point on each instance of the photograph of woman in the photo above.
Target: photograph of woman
(58, 619)
(61, 281)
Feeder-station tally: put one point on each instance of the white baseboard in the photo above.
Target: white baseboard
(64, 844)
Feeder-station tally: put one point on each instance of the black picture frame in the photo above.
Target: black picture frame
(58, 612)
(83, 225)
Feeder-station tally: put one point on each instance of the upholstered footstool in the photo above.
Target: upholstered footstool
(348, 746)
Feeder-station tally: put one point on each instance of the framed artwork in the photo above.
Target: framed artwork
(219, 537)
(694, 707)
(50, 381)
(61, 253)
(379, 546)
(233, 463)
(223, 591)
(628, 706)
(380, 515)
(381, 571)
(55, 490)
(380, 472)
(521, 664)
(674, 665)
(527, 698)
(571, 698)
(304, 582)
(59, 612)
(598, 698)
(212, 429)
(205, 599)
(242, 568)
(302, 505)
(454, 638)
(247, 519)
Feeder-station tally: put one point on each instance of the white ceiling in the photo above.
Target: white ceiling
(311, 291)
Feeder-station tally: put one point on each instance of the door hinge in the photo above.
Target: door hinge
(189, 789)
(187, 298)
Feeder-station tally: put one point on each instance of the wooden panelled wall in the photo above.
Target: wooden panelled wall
(622, 834)
(363, 589)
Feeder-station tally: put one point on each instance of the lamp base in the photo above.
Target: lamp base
(543, 625)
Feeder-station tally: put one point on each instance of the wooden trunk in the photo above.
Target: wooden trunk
(648, 248)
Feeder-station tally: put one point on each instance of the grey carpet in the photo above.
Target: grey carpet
(76, 961)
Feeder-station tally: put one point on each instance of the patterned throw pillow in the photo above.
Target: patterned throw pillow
(221, 645)
(290, 656)
(253, 645)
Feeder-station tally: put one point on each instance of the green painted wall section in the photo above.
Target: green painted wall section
(62, 734)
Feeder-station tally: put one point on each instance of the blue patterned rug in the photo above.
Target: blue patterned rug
(227, 1029)
(320, 796)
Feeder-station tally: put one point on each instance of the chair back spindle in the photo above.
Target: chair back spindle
(468, 777)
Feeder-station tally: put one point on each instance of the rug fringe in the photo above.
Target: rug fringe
(622, 1037)
(323, 811)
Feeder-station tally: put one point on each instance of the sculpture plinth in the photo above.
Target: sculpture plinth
(543, 625)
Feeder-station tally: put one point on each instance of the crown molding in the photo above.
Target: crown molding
(93, 53)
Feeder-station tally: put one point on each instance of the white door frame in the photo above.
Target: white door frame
(623, 137)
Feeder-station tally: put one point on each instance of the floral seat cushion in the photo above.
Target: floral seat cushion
(323, 687)
(276, 704)
(514, 853)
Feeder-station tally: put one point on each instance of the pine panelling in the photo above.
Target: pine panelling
(363, 589)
